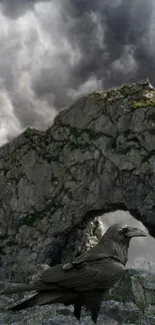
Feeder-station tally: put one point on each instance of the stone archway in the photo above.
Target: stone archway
(98, 156)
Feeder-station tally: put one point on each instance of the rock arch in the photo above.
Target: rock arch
(98, 156)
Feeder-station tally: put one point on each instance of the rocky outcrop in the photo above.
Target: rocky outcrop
(131, 302)
(98, 156)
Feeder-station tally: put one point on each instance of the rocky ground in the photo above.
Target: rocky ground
(131, 302)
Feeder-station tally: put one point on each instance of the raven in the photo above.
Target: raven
(85, 280)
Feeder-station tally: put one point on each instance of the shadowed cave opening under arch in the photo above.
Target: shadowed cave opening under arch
(121, 207)
(141, 250)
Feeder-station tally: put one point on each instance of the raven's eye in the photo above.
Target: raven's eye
(123, 230)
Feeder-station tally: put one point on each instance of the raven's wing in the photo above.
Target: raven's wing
(82, 259)
(100, 274)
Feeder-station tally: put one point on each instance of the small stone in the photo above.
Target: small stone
(15, 318)
(148, 95)
(65, 311)
(51, 322)
(33, 256)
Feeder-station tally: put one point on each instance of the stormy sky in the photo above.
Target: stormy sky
(53, 51)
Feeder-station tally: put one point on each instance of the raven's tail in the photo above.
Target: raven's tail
(44, 298)
(40, 298)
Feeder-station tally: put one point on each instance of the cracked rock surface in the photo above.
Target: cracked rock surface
(98, 156)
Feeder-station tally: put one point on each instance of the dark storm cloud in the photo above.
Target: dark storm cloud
(116, 42)
(53, 51)
(16, 8)
(126, 51)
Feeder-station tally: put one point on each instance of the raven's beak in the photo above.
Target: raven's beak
(134, 232)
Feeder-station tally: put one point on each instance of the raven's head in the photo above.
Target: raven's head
(115, 241)
(120, 232)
